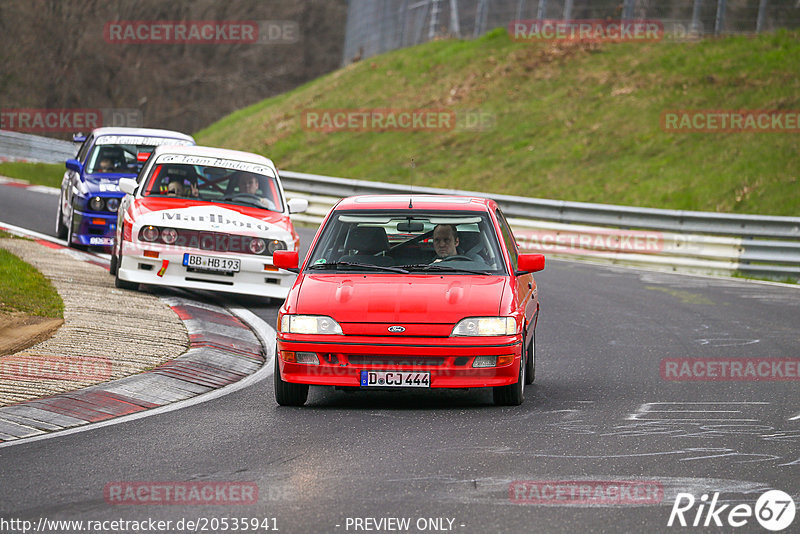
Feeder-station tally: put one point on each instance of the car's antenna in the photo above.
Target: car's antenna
(411, 186)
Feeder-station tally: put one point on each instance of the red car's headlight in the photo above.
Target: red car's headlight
(486, 326)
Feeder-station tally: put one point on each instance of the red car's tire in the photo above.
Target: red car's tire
(512, 394)
(287, 393)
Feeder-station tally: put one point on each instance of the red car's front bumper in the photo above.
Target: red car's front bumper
(449, 360)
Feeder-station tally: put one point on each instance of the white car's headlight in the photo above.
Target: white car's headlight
(485, 326)
(309, 324)
(276, 244)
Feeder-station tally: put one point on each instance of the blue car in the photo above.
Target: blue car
(90, 195)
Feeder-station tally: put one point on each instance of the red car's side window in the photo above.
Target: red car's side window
(508, 238)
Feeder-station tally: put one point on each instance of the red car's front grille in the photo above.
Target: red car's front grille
(396, 361)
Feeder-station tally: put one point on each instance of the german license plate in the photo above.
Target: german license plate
(212, 263)
(398, 379)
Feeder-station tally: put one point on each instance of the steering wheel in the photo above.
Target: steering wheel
(457, 257)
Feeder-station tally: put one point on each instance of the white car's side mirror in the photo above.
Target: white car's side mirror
(297, 205)
(128, 185)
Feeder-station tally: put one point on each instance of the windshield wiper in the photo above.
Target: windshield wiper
(442, 268)
(337, 264)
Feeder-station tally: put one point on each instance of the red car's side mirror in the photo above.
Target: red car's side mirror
(530, 263)
(285, 259)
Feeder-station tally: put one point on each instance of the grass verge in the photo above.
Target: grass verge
(24, 289)
(567, 121)
(49, 174)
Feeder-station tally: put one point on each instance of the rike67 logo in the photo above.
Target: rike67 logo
(774, 510)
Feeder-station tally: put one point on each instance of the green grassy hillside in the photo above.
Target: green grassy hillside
(570, 121)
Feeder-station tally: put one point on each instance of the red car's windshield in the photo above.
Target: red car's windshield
(441, 242)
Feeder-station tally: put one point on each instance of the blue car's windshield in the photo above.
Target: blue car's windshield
(124, 154)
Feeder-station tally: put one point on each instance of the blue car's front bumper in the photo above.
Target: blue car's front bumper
(93, 229)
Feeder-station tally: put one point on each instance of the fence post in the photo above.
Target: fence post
(455, 24)
(762, 12)
(568, 10)
(719, 25)
(542, 11)
(695, 26)
(627, 10)
(435, 7)
(480, 17)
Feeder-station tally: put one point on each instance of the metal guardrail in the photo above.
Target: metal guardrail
(15, 146)
(688, 241)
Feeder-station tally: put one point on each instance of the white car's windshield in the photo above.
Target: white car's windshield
(438, 242)
(215, 184)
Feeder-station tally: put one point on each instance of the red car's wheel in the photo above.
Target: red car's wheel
(287, 393)
(530, 363)
(512, 394)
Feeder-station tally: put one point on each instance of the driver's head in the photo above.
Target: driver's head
(445, 240)
(248, 183)
(175, 186)
(105, 165)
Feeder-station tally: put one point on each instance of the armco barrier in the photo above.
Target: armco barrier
(15, 146)
(692, 241)
(687, 241)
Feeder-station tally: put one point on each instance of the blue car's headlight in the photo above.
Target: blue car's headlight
(96, 203)
(112, 204)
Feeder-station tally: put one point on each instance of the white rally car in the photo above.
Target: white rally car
(205, 218)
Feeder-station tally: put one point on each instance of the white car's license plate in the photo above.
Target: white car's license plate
(212, 263)
(399, 379)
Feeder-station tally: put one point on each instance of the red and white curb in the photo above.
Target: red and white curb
(227, 346)
(22, 184)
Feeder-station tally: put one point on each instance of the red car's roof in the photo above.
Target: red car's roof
(428, 202)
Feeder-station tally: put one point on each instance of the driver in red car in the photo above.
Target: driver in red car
(445, 241)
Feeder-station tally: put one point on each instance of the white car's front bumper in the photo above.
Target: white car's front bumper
(255, 277)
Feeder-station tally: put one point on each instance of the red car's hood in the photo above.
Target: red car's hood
(400, 298)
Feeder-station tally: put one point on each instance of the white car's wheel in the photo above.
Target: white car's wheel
(119, 282)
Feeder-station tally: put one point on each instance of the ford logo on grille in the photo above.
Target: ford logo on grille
(397, 329)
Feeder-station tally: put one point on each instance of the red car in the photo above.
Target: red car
(402, 291)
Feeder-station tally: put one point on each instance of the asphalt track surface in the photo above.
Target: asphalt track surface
(450, 460)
